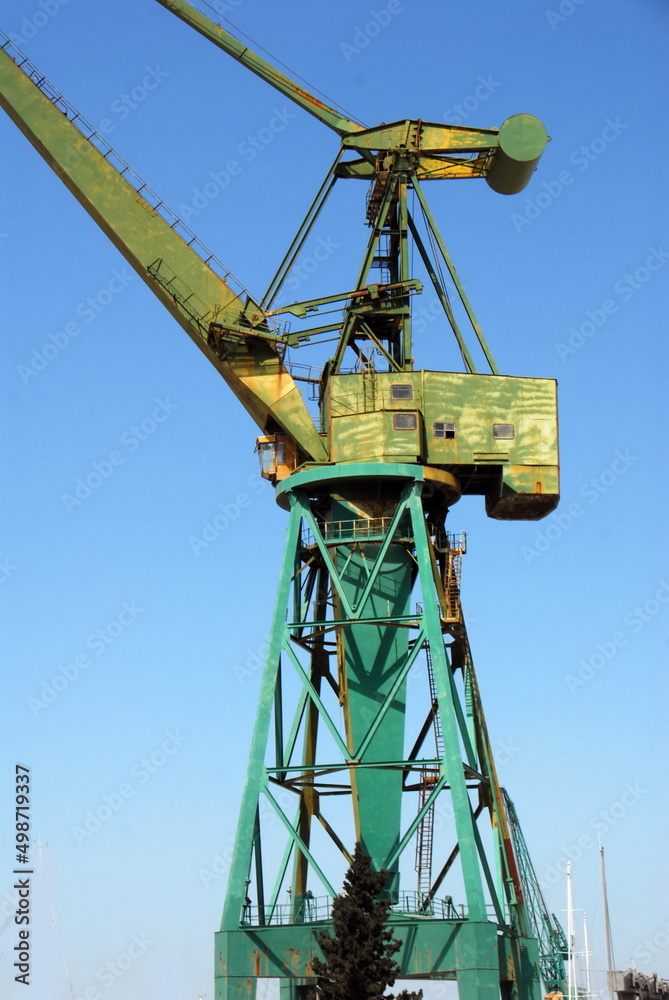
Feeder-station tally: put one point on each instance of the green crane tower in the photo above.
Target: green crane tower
(369, 724)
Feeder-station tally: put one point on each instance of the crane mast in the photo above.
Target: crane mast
(369, 588)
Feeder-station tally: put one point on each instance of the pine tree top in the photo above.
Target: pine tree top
(358, 956)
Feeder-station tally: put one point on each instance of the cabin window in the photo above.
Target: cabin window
(404, 421)
(271, 454)
(444, 430)
(503, 432)
(401, 391)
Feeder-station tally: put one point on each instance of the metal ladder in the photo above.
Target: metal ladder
(368, 383)
(456, 546)
(429, 777)
(383, 259)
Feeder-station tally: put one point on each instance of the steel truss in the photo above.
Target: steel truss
(332, 732)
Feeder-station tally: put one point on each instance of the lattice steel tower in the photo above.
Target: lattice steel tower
(369, 724)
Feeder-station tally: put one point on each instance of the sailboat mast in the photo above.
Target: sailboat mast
(607, 926)
(588, 989)
(571, 979)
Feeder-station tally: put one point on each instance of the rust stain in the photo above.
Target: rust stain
(293, 958)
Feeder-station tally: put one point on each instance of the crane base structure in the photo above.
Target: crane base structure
(369, 727)
(470, 953)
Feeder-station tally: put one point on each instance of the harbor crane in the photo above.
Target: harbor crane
(370, 726)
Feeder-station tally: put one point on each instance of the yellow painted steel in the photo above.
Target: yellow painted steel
(498, 434)
(252, 367)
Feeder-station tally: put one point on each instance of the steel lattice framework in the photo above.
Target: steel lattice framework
(369, 724)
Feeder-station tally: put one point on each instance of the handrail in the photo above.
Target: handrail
(317, 909)
(98, 141)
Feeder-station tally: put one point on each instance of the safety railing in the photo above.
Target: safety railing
(316, 909)
(122, 167)
(357, 529)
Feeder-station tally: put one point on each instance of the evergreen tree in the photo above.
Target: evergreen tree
(358, 957)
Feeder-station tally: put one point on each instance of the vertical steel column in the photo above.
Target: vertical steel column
(308, 804)
(452, 759)
(357, 542)
(242, 852)
(406, 349)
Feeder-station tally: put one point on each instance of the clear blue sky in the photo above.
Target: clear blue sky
(569, 280)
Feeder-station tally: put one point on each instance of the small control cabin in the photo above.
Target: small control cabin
(498, 435)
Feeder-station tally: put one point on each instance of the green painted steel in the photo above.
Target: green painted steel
(453, 418)
(553, 946)
(521, 141)
(442, 949)
(369, 721)
(238, 50)
(235, 898)
(454, 276)
(194, 294)
(373, 660)
(504, 469)
(508, 157)
(362, 544)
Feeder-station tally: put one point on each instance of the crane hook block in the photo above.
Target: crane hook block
(521, 141)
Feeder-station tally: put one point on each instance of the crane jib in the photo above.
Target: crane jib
(367, 497)
(200, 290)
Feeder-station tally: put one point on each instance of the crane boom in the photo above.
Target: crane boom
(506, 156)
(227, 326)
(544, 925)
(215, 33)
(368, 498)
